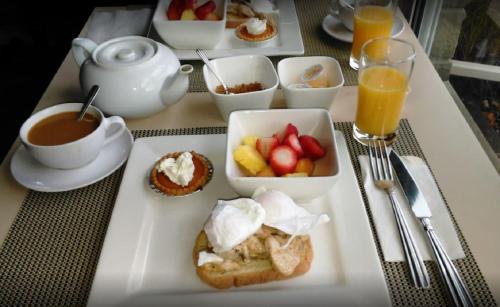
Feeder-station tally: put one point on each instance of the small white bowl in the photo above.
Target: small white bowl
(315, 122)
(289, 71)
(242, 69)
(190, 34)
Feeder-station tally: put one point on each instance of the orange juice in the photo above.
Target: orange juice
(381, 93)
(369, 22)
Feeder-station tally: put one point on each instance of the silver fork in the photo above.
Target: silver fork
(381, 169)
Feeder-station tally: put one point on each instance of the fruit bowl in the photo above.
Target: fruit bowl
(316, 123)
(186, 33)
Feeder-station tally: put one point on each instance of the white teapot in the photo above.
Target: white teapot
(137, 76)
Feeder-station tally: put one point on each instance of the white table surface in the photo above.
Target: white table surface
(468, 179)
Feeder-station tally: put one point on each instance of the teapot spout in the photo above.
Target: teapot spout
(179, 87)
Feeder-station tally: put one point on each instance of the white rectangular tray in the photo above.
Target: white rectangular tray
(289, 41)
(146, 256)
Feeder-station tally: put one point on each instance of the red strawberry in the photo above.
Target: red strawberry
(174, 10)
(189, 4)
(283, 160)
(265, 145)
(293, 141)
(312, 147)
(289, 129)
(205, 9)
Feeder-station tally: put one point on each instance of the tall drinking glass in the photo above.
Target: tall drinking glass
(385, 68)
(372, 19)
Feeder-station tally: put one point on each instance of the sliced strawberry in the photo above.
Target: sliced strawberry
(293, 141)
(175, 9)
(311, 146)
(265, 145)
(202, 11)
(189, 4)
(289, 129)
(283, 160)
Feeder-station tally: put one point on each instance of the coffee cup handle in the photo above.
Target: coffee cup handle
(333, 8)
(115, 121)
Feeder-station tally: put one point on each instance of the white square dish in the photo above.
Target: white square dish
(190, 34)
(256, 68)
(146, 259)
(315, 122)
(289, 71)
(288, 42)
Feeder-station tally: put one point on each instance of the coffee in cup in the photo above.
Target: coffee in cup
(55, 137)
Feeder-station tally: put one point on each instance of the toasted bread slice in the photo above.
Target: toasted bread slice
(253, 272)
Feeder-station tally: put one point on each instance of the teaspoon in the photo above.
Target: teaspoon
(88, 101)
(205, 60)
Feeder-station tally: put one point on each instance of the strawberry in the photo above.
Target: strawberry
(265, 145)
(189, 4)
(289, 129)
(293, 141)
(311, 146)
(175, 9)
(283, 160)
(202, 11)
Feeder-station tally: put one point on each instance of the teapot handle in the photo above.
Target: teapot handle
(82, 49)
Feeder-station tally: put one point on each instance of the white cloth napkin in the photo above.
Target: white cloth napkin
(105, 25)
(385, 222)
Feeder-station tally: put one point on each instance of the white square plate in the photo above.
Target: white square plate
(289, 41)
(146, 256)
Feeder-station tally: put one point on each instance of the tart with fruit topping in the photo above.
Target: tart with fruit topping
(256, 30)
(180, 173)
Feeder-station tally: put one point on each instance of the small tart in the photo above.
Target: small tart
(202, 174)
(242, 33)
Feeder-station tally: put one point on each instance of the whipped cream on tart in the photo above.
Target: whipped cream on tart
(180, 173)
(256, 30)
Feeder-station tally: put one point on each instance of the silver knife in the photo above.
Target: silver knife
(454, 283)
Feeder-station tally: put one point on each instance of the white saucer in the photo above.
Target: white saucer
(33, 175)
(334, 27)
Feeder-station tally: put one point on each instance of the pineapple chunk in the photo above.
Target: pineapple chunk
(249, 159)
(188, 15)
(305, 165)
(250, 140)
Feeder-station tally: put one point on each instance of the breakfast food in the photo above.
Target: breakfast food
(285, 153)
(180, 173)
(256, 30)
(255, 240)
(186, 10)
(239, 11)
(312, 77)
(241, 88)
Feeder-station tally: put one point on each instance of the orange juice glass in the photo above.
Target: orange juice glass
(385, 68)
(372, 19)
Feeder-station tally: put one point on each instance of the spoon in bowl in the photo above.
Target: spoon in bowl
(205, 60)
(88, 101)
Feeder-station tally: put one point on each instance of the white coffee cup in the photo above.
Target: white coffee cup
(343, 10)
(77, 153)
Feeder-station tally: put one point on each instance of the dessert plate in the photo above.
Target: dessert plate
(146, 257)
(288, 42)
(334, 27)
(33, 175)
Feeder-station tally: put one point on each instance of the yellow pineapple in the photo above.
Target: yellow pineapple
(250, 140)
(249, 159)
(266, 172)
(301, 174)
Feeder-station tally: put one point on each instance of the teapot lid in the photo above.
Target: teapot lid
(125, 52)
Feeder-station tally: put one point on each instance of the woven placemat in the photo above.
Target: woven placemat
(316, 42)
(51, 251)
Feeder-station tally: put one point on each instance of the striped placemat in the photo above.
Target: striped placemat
(51, 252)
(316, 42)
